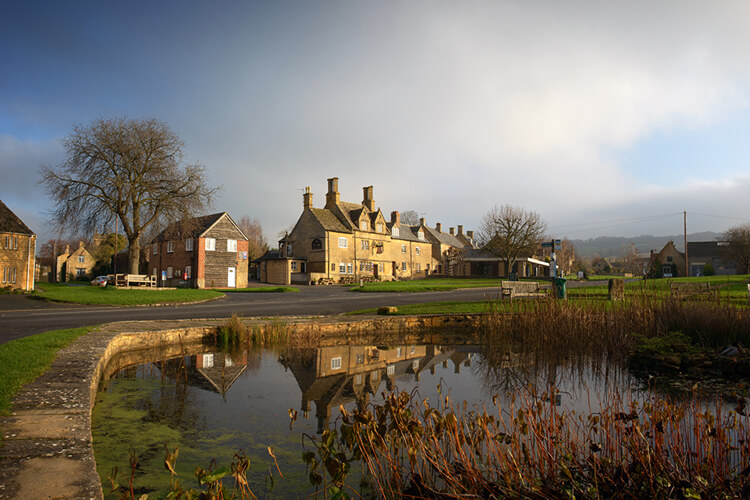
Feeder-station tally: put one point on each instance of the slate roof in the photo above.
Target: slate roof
(269, 255)
(10, 223)
(703, 249)
(329, 220)
(406, 232)
(445, 238)
(189, 227)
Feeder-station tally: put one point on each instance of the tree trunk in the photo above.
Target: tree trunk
(134, 254)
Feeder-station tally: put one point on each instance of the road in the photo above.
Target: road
(21, 316)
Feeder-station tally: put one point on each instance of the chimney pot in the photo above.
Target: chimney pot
(421, 221)
(470, 234)
(460, 229)
(452, 230)
(439, 227)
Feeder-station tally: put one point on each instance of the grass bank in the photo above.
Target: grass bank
(23, 360)
(426, 285)
(58, 292)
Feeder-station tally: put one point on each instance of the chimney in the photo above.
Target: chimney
(439, 227)
(368, 201)
(452, 230)
(332, 197)
(421, 221)
(460, 230)
(396, 217)
(307, 198)
(470, 234)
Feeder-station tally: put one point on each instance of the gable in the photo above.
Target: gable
(10, 223)
(224, 228)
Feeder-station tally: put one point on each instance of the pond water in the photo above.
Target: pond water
(210, 404)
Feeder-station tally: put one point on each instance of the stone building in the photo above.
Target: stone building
(77, 265)
(17, 251)
(670, 262)
(204, 252)
(346, 242)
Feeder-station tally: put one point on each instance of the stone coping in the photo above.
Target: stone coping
(47, 447)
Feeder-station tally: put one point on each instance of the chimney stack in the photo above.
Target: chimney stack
(460, 229)
(332, 196)
(470, 234)
(421, 221)
(396, 217)
(439, 227)
(307, 198)
(452, 230)
(368, 201)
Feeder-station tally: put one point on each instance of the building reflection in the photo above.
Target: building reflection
(211, 371)
(338, 375)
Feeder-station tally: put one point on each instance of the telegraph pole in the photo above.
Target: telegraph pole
(684, 225)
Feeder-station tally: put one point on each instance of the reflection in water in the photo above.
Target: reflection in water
(210, 404)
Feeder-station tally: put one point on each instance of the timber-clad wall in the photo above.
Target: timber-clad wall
(218, 261)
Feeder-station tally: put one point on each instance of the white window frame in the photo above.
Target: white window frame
(420, 235)
(342, 267)
(343, 242)
(170, 272)
(81, 259)
(231, 245)
(336, 363)
(380, 227)
(155, 248)
(188, 272)
(403, 248)
(210, 244)
(398, 352)
(417, 250)
(390, 370)
(394, 232)
(403, 266)
(13, 270)
(289, 249)
(419, 267)
(349, 268)
(170, 246)
(365, 244)
(363, 225)
(208, 360)
(15, 246)
(294, 266)
(189, 245)
(155, 272)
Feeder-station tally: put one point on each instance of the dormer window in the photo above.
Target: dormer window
(394, 232)
(420, 235)
(363, 226)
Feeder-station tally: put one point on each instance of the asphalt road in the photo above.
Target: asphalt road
(21, 316)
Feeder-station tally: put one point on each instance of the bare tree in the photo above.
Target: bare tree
(257, 243)
(738, 246)
(566, 256)
(127, 169)
(511, 232)
(410, 217)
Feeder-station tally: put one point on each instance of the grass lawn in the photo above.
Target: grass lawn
(426, 285)
(59, 292)
(23, 360)
(260, 289)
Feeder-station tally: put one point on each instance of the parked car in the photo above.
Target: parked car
(99, 281)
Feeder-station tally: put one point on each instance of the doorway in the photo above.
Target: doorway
(231, 277)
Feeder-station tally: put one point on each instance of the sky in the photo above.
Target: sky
(606, 118)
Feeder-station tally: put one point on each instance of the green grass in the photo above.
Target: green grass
(23, 360)
(58, 292)
(434, 308)
(261, 289)
(427, 285)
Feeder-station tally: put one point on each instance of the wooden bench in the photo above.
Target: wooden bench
(135, 280)
(517, 289)
(692, 290)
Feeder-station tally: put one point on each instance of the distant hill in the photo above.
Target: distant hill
(614, 246)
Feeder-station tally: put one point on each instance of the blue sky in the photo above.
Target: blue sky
(584, 112)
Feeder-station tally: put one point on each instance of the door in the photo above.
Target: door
(231, 277)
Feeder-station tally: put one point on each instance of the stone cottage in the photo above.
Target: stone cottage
(17, 251)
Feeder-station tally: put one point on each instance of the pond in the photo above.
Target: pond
(211, 404)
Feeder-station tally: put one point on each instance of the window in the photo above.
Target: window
(294, 266)
(155, 248)
(363, 226)
(231, 245)
(365, 244)
(170, 247)
(154, 272)
(5, 274)
(317, 244)
(398, 352)
(380, 267)
(81, 259)
(210, 244)
(390, 370)
(80, 272)
(403, 266)
(361, 266)
(333, 266)
(669, 258)
(188, 272)
(342, 268)
(336, 363)
(380, 227)
(403, 248)
(208, 361)
(189, 245)
(342, 242)
(170, 272)
(303, 267)
(417, 250)
(394, 232)
(412, 349)
(419, 266)
(350, 268)
(13, 270)
(289, 249)
(7, 241)
(360, 359)
(358, 379)
(15, 246)
(420, 235)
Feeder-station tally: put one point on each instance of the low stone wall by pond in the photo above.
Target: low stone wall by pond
(47, 446)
